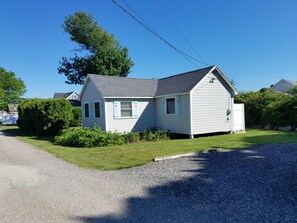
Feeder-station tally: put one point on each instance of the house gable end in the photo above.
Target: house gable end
(211, 75)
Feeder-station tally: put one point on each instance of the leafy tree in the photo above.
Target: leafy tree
(98, 52)
(11, 88)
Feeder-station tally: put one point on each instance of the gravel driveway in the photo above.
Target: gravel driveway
(257, 184)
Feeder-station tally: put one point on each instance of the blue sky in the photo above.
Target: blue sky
(253, 42)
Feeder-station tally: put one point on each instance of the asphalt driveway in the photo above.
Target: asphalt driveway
(257, 184)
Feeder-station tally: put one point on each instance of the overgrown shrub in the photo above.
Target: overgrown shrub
(114, 138)
(269, 108)
(44, 116)
(154, 134)
(95, 137)
(77, 117)
(132, 137)
(86, 137)
(255, 104)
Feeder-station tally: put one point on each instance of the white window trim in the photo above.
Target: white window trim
(120, 111)
(99, 109)
(84, 110)
(175, 105)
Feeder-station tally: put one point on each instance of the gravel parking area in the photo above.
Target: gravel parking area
(256, 184)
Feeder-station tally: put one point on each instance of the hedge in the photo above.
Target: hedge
(44, 116)
(266, 108)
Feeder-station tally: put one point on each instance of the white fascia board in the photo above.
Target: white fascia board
(83, 88)
(221, 73)
(191, 114)
(171, 95)
(74, 92)
(105, 115)
(125, 97)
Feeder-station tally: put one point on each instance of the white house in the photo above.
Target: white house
(191, 103)
(284, 86)
(72, 97)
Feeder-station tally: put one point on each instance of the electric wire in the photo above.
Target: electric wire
(185, 55)
(177, 29)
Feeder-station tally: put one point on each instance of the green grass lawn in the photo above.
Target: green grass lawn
(130, 155)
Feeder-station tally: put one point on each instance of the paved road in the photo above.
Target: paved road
(258, 184)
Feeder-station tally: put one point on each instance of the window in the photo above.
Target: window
(97, 109)
(87, 112)
(126, 109)
(170, 106)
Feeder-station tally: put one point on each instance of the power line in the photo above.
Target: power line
(177, 29)
(142, 23)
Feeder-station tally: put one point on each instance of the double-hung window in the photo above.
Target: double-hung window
(97, 109)
(126, 109)
(170, 105)
(87, 111)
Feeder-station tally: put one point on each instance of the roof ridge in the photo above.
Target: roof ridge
(137, 78)
(188, 72)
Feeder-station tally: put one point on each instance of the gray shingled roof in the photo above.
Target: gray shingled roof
(111, 86)
(292, 82)
(181, 83)
(62, 95)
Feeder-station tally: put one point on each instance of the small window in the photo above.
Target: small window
(126, 109)
(170, 106)
(97, 109)
(87, 112)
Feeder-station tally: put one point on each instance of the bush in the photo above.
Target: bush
(77, 117)
(132, 137)
(269, 108)
(85, 137)
(95, 137)
(154, 135)
(255, 103)
(114, 138)
(44, 116)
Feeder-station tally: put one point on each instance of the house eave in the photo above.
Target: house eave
(168, 95)
(114, 97)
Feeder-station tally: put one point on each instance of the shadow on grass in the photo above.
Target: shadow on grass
(256, 184)
(14, 131)
(271, 138)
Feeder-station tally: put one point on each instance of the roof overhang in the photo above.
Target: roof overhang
(83, 88)
(223, 76)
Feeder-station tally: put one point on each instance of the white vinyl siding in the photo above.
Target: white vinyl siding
(211, 106)
(143, 115)
(176, 123)
(92, 95)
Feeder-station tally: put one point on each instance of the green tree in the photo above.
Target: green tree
(11, 88)
(98, 52)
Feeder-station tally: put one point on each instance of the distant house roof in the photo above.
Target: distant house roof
(64, 95)
(292, 82)
(113, 86)
(283, 86)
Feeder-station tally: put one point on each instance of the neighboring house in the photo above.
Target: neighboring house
(11, 116)
(72, 97)
(191, 103)
(12, 108)
(284, 86)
